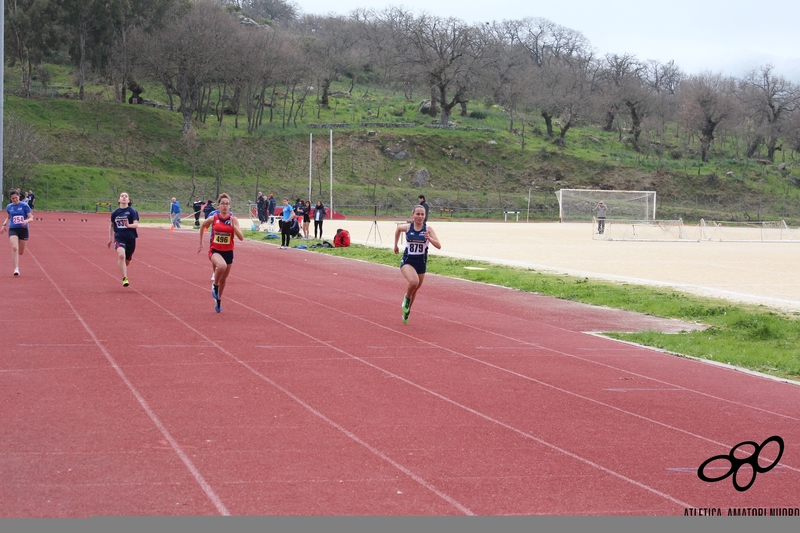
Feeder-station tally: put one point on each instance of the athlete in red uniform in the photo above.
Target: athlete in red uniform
(224, 226)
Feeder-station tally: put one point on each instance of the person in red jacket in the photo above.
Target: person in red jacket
(342, 239)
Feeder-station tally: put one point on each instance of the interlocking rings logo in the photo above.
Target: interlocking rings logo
(737, 463)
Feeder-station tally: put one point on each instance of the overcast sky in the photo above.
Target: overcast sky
(731, 36)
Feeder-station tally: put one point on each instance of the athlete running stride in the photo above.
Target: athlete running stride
(122, 233)
(415, 255)
(224, 226)
(19, 216)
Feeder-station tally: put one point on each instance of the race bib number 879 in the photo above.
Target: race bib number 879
(416, 248)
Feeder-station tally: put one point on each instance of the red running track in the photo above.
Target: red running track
(307, 395)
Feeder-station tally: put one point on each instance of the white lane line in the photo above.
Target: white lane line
(145, 406)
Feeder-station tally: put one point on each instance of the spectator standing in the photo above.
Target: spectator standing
(306, 219)
(271, 205)
(261, 206)
(601, 210)
(319, 217)
(31, 198)
(424, 203)
(197, 206)
(208, 209)
(175, 212)
(286, 224)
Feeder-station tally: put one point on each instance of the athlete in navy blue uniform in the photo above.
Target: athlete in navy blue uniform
(122, 232)
(19, 216)
(415, 256)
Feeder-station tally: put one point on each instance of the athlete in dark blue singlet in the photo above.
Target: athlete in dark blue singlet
(122, 233)
(415, 256)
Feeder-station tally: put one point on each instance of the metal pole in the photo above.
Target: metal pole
(331, 158)
(310, 164)
(528, 218)
(3, 93)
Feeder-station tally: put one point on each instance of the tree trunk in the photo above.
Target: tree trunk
(548, 121)
(433, 112)
(772, 147)
(464, 112)
(611, 114)
(82, 64)
(754, 145)
(325, 85)
(706, 137)
(562, 138)
(636, 127)
(124, 88)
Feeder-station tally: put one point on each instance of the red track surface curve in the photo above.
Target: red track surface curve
(307, 395)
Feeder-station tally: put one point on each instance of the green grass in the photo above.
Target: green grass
(750, 337)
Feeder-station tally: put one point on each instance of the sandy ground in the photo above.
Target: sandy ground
(759, 273)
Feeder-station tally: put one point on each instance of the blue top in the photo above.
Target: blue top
(176, 207)
(287, 212)
(119, 216)
(17, 214)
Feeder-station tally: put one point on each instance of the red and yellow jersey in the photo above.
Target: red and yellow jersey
(222, 233)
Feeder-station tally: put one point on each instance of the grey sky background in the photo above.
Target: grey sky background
(731, 37)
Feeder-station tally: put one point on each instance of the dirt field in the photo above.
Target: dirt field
(760, 273)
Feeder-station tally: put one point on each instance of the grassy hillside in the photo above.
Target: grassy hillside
(99, 148)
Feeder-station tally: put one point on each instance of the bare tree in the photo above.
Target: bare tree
(446, 54)
(770, 100)
(31, 29)
(23, 149)
(126, 16)
(189, 53)
(706, 101)
(330, 45)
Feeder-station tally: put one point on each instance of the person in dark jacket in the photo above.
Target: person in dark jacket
(197, 207)
(261, 205)
(271, 204)
(208, 209)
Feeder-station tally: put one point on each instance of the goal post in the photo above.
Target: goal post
(578, 205)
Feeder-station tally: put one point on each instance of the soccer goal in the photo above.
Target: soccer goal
(579, 205)
(763, 231)
(646, 230)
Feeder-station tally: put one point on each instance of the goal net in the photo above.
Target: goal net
(579, 205)
(765, 231)
(646, 230)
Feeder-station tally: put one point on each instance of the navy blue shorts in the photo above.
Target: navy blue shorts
(418, 262)
(129, 245)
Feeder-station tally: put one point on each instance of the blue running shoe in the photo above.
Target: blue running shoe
(218, 306)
